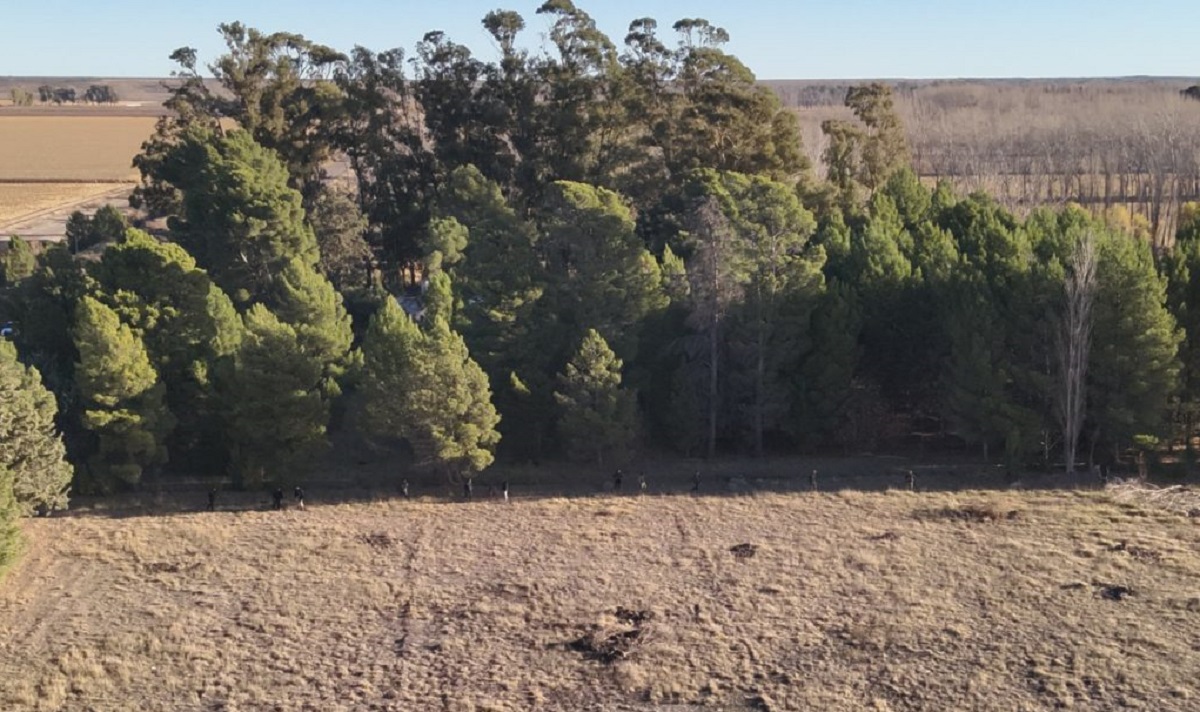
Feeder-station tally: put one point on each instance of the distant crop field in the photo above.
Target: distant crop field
(830, 601)
(18, 200)
(71, 148)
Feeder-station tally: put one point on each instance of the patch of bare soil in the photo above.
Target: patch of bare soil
(970, 513)
(848, 602)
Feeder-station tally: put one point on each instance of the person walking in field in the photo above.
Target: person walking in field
(696, 482)
(212, 499)
(504, 490)
(277, 495)
(642, 482)
(468, 486)
(617, 477)
(404, 488)
(299, 494)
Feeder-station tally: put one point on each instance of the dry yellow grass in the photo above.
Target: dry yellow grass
(69, 148)
(852, 601)
(21, 199)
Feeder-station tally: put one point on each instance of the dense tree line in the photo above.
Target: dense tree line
(94, 94)
(572, 254)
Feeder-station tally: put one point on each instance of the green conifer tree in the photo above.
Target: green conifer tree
(32, 454)
(187, 323)
(122, 397)
(424, 387)
(17, 263)
(10, 534)
(276, 411)
(1182, 270)
(241, 220)
(307, 302)
(599, 416)
(601, 275)
(1134, 369)
(822, 381)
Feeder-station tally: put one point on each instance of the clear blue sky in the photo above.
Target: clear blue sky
(778, 39)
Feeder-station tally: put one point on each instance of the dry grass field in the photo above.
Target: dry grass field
(71, 148)
(843, 601)
(22, 199)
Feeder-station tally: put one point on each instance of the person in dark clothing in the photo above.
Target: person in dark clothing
(696, 482)
(212, 499)
(277, 495)
(812, 481)
(468, 486)
(910, 480)
(617, 477)
(404, 488)
(299, 494)
(642, 482)
(504, 489)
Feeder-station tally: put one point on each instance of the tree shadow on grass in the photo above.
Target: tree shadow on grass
(379, 482)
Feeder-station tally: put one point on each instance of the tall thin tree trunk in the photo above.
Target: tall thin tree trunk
(1074, 345)
(713, 391)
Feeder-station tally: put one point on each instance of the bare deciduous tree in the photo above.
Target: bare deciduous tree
(1073, 344)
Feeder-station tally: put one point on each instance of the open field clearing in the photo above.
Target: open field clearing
(71, 148)
(850, 601)
(21, 199)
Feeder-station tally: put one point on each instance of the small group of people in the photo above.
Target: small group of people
(469, 489)
(298, 493)
(619, 479)
(276, 497)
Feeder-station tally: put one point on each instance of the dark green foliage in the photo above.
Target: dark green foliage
(277, 86)
(1183, 299)
(17, 263)
(280, 91)
(188, 324)
(600, 276)
(10, 534)
(240, 219)
(107, 225)
(499, 288)
(686, 417)
(1134, 370)
(308, 303)
(277, 413)
(772, 325)
(424, 388)
(339, 227)
(33, 455)
(44, 309)
(599, 417)
(884, 147)
(490, 253)
(101, 94)
(822, 379)
(444, 243)
(439, 298)
(651, 197)
(121, 396)
(981, 402)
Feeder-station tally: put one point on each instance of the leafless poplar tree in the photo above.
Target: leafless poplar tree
(1073, 344)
